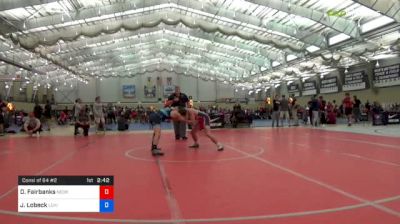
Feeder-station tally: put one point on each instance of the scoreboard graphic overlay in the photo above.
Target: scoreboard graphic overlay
(66, 194)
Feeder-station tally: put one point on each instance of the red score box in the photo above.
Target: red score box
(106, 192)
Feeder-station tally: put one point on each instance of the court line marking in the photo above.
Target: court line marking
(322, 184)
(352, 155)
(226, 219)
(128, 154)
(369, 159)
(357, 130)
(57, 162)
(173, 205)
(346, 154)
(355, 140)
(361, 141)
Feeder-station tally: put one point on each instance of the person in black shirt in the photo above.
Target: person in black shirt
(275, 111)
(38, 111)
(356, 109)
(3, 108)
(178, 99)
(47, 114)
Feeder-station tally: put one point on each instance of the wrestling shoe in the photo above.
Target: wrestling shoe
(157, 152)
(194, 146)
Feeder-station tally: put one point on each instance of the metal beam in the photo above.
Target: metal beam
(151, 49)
(203, 10)
(339, 24)
(13, 4)
(268, 54)
(390, 8)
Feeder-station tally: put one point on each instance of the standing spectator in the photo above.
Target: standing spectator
(32, 125)
(331, 115)
(3, 108)
(322, 110)
(38, 111)
(295, 109)
(314, 108)
(284, 110)
(77, 108)
(82, 121)
(368, 109)
(275, 111)
(356, 109)
(98, 114)
(348, 108)
(47, 114)
(178, 99)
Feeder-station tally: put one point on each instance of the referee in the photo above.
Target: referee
(178, 99)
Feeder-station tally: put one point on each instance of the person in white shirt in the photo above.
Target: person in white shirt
(32, 125)
(98, 114)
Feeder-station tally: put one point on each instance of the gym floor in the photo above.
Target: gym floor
(284, 175)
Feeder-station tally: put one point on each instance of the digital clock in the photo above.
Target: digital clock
(103, 180)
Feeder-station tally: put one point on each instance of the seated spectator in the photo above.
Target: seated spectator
(62, 119)
(83, 122)
(122, 123)
(32, 125)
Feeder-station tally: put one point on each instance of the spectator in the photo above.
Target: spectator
(38, 111)
(330, 109)
(178, 99)
(62, 119)
(3, 108)
(315, 107)
(295, 109)
(322, 110)
(83, 121)
(77, 108)
(348, 108)
(32, 125)
(98, 114)
(368, 109)
(284, 110)
(356, 109)
(47, 115)
(275, 111)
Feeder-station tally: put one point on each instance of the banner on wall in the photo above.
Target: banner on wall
(294, 89)
(387, 76)
(128, 91)
(329, 85)
(150, 88)
(168, 90)
(355, 81)
(309, 88)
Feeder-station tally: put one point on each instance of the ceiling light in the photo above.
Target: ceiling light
(346, 71)
(377, 64)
